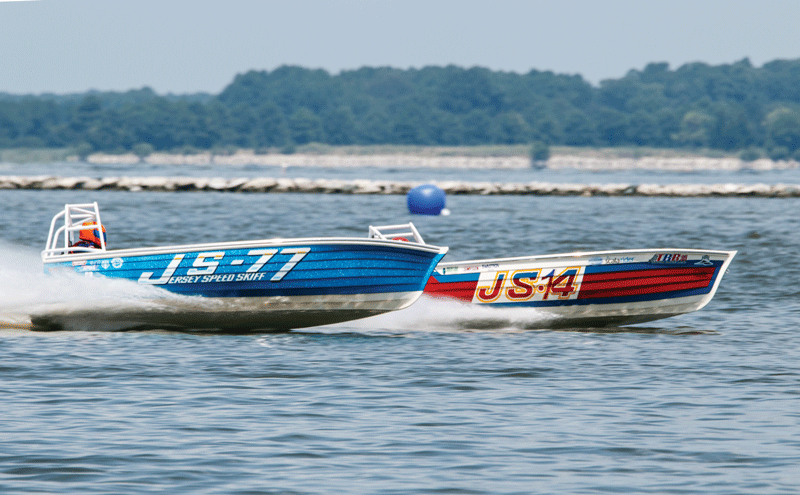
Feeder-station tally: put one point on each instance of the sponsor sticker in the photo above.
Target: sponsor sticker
(669, 258)
(705, 261)
(617, 261)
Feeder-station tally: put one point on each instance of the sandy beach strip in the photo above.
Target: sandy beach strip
(365, 186)
(406, 160)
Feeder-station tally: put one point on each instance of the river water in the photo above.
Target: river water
(413, 402)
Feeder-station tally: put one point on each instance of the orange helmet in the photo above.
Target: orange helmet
(93, 235)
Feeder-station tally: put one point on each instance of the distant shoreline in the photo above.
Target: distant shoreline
(396, 156)
(403, 160)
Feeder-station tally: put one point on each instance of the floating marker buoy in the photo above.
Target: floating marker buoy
(426, 199)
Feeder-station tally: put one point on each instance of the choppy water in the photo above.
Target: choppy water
(415, 401)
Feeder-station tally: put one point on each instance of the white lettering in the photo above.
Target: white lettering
(208, 267)
(299, 254)
(144, 278)
(265, 254)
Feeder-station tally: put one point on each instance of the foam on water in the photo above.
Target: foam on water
(25, 291)
(439, 314)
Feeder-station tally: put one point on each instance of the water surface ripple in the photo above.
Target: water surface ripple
(412, 402)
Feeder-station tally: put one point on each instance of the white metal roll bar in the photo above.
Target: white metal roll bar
(74, 215)
(377, 232)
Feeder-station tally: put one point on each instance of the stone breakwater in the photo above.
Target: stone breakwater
(363, 186)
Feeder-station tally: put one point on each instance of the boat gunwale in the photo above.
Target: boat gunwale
(227, 245)
(585, 254)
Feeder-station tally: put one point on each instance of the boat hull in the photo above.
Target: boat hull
(236, 314)
(589, 289)
(257, 285)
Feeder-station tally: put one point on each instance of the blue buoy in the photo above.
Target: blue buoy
(426, 199)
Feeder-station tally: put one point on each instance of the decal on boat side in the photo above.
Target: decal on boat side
(205, 265)
(489, 293)
(705, 261)
(478, 268)
(617, 261)
(144, 278)
(669, 258)
(528, 284)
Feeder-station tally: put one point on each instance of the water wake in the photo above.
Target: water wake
(26, 294)
(437, 314)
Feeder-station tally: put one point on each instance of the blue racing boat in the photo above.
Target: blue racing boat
(270, 284)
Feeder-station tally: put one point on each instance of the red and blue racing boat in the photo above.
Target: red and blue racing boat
(271, 284)
(591, 289)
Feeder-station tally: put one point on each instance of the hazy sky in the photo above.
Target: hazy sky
(184, 46)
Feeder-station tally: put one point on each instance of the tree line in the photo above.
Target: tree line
(731, 107)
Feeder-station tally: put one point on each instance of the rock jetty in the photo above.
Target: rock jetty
(364, 186)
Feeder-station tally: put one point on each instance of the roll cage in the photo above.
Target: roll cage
(61, 238)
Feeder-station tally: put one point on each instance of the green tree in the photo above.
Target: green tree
(304, 126)
(731, 129)
(611, 127)
(512, 128)
(271, 128)
(695, 130)
(643, 129)
(465, 90)
(783, 129)
(8, 128)
(445, 128)
(729, 107)
(338, 126)
(373, 127)
(579, 129)
(477, 127)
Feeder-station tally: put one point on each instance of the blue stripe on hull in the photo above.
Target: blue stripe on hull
(323, 270)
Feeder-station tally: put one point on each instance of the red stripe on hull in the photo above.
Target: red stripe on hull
(659, 272)
(592, 285)
(640, 290)
(640, 282)
(456, 290)
(600, 285)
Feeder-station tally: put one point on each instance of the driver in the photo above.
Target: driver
(91, 237)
